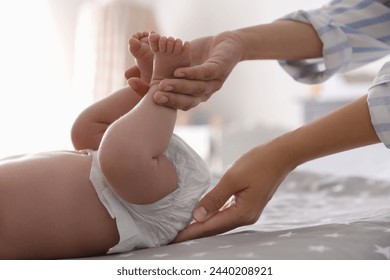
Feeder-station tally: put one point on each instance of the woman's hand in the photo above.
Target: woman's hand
(255, 176)
(212, 60)
(251, 182)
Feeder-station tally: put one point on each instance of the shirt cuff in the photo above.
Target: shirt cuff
(337, 52)
(379, 104)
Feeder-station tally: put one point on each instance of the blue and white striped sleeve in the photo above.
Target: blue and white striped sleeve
(353, 32)
(379, 104)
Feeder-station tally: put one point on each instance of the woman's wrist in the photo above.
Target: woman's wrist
(287, 153)
(235, 38)
(269, 41)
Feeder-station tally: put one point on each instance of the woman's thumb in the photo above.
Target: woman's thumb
(211, 203)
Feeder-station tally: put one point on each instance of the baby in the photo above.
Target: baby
(130, 183)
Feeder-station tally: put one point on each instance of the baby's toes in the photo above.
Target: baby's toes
(178, 46)
(154, 39)
(170, 44)
(134, 46)
(162, 44)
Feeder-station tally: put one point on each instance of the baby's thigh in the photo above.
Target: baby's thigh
(148, 183)
(166, 178)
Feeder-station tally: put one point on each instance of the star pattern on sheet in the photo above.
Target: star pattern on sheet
(161, 255)
(333, 235)
(288, 234)
(318, 248)
(338, 188)
(126, 255)
(225, 246)
(385, 251)
(188, 243)
(271, 243)
(249, 255)
(200, 254)
(314, 219)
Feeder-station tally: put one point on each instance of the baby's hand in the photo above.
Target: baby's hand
(132, 76)
(138, 85)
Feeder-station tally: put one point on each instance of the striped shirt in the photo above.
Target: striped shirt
(353, 33)
(379, 104)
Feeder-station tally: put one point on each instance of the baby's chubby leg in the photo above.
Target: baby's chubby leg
(90, 126)
(131, 154)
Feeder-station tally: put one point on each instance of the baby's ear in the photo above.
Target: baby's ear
(139, 86)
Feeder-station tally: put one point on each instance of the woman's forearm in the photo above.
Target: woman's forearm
(346, 128)
(282, 39)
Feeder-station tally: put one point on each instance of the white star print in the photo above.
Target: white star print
(318, 248)
(267, 243)
(160, 255)
(334, 235)
(200, 254)
(380, 229)
(188, 243)
(338, 188)
(225, 246)
(247, 255)
(288, 234)
(383, 250)
(127, 255)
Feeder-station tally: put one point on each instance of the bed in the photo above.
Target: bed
(333, 208)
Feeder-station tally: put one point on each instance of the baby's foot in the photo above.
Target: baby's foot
(169, 54)
(139, 48)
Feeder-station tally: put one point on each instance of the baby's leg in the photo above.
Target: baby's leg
(131, 152)
(90, 126)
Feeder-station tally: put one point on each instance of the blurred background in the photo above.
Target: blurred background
(57, 57)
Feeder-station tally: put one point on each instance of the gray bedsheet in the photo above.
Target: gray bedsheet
(312, 216)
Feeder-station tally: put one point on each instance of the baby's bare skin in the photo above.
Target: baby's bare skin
(48, 206)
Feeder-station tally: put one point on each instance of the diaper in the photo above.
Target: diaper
(156, 224)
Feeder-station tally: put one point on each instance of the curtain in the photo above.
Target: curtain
(101, 48)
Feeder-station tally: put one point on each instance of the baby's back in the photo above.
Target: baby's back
(49, 209)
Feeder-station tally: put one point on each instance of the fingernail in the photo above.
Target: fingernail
(162, 100)
(179, 74)
(168, 88)
(200, 213)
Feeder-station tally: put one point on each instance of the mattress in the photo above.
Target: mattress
(311, 216)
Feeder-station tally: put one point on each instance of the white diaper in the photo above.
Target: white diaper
(156, 224)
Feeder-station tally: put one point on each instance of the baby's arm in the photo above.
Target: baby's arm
(90, 126)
